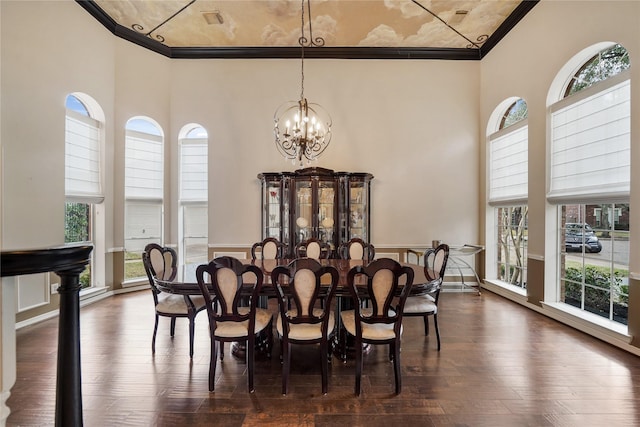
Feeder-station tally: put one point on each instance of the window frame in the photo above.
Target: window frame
(192, 199)
(141, 190)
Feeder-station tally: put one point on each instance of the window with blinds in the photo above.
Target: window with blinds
(143, 166)
(508, 172)
(590, 143)
(82, 159)
(194, 196)
(144, 192)
(193, 169)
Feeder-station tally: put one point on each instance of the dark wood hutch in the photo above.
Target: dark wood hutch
(316, 202)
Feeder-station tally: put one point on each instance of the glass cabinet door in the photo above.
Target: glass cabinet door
(326, 221)
(304, 211)
(358, 210)
(272, 196)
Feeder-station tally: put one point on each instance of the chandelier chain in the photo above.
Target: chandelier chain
(302, 129)
(302, 40)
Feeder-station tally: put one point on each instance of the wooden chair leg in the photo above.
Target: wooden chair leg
(192, 329)
(325, 366)
(426, 324)
(286, 366)
(173, 326)
(396, 367)
(153, 340)
(212, 364)
(435, 323)
(270, 338)
(250, 362)
(358, 366)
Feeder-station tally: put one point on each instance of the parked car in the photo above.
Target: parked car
(578, 235)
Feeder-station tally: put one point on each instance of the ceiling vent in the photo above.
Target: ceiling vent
(458, 16)
(213, 18)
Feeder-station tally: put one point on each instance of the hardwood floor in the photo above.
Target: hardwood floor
(500, 365)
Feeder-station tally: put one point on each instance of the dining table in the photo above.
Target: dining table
(185, 283)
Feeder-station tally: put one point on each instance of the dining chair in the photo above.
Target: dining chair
(269, 248)
(234, 316)
(161, 263)
(381, 323)
(435, 264)
(313, 248)
(302, 322)
(357, 248)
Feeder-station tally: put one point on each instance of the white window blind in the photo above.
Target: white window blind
(143, 166)
(82, 158)
(590, 144)
(196, 221)
(508, 173)
(193, 169)
(143, 224)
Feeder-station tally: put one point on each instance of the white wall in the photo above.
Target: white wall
(49, 49)
(413, 124)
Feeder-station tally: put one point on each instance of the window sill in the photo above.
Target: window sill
(135, 282)
(582, 319)
(506, 290)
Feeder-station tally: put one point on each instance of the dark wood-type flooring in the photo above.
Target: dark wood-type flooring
(500, 365)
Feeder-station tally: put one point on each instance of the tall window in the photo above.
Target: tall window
(193, 194)
(590, 182)
(83, 176)
(508, 191)
(144, 191)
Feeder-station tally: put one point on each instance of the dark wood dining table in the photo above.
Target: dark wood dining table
(185, 283)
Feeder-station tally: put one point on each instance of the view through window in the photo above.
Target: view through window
(590, 181)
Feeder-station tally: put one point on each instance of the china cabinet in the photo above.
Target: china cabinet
(315, 202)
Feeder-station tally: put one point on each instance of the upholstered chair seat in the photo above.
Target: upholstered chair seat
(241, 329)
(306, 331)
(370, 331)
(175, 304)
(420, 304)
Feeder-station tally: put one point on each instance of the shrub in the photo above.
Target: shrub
(597, 287)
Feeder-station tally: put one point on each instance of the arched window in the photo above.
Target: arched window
(193, 216)
(606, 63)
(83, 181)
(590, 183)
(143, 190)
(508, 192)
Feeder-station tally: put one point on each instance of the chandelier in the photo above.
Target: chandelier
(302, 129)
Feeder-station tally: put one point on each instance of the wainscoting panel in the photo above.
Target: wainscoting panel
(32, 291)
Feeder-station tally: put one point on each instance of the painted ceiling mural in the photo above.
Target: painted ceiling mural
(342, 23)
